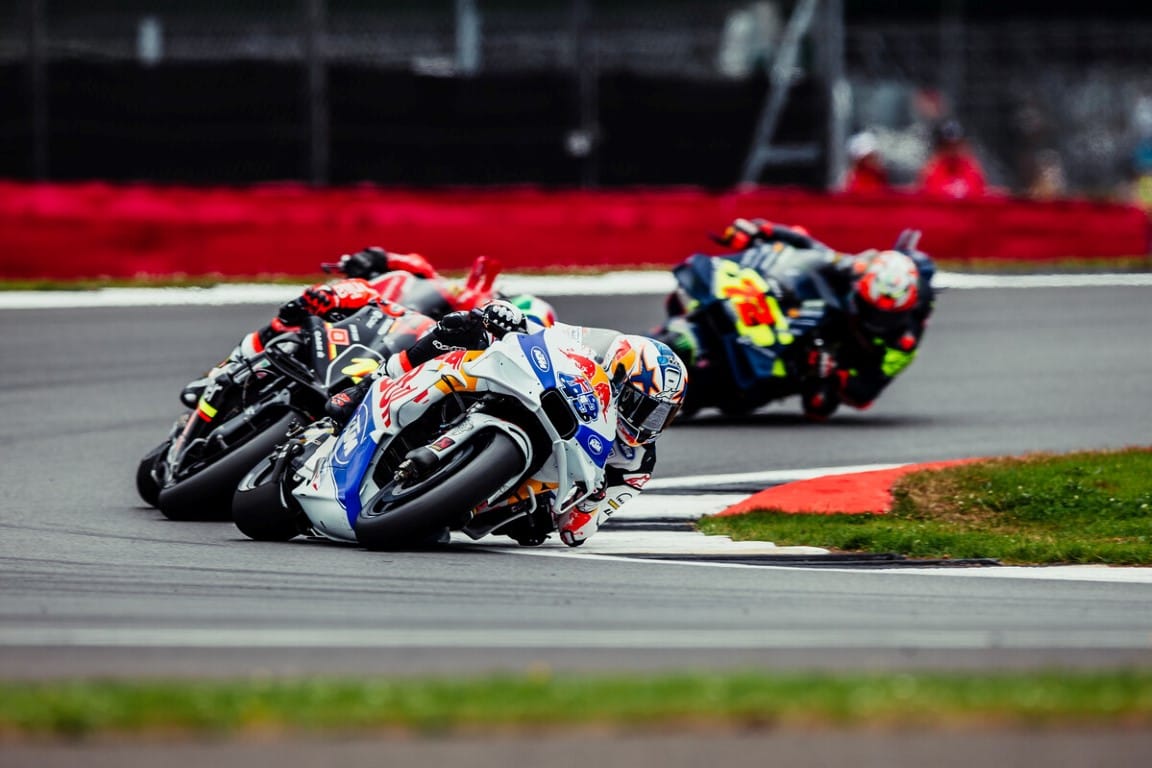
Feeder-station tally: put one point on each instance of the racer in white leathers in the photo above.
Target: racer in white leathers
(648, 381)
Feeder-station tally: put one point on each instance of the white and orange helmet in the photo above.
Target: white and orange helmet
(649, 381)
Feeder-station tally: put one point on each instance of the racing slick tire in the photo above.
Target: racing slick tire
(258, 506)
(414, 514)
(207, 495)
(146, 484)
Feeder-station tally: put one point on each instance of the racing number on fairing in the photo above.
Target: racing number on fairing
(757, 311)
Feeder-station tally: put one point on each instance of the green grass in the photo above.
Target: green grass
(534, 701)
(1089, 507)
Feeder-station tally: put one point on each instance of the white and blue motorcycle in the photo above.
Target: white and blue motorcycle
(474, 441)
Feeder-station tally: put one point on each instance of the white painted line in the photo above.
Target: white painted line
(619, 544)
(653, 506)
(615, 283)
(684, 637)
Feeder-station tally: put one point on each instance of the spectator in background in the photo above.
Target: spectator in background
(1048, 181)
(1142, 174)
(952, 170)
(866, 172)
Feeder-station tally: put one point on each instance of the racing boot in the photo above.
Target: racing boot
(344, 403)
(820, 389)
(250, 346)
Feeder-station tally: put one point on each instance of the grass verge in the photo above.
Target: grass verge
(535, 701)
(1087, 507)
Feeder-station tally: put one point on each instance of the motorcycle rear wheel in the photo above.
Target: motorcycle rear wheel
(207, 495)
(442, 500)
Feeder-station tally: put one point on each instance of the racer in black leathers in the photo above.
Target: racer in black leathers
(871, 327)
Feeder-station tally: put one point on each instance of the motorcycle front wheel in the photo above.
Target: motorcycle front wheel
(207, 494)
(416, 513)
(258, 507)
(146, 484)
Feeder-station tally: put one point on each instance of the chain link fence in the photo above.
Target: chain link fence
(1050, 106)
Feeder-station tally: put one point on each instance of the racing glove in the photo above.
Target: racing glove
(501, 317)
(374, 261)
(742, 233)
(345, 295)
(454, 331)
(343, 404)
(366, 263)
(291, 314)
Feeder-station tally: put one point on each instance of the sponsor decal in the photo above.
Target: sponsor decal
(580, 395)
(359, 368)
(586, 366)
(442, 444)
(339, 336)
(603, 394)
(539, 359)
(637, 481)
(349, 439)
(596, 446)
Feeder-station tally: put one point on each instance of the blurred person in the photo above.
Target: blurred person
(869, 334)
(1142, 174)
(648, 383)
(866, 172)
(952, 170)
(1048, 181)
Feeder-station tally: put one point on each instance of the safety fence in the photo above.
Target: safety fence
(65, 231)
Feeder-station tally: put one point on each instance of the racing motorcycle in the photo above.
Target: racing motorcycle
(248, 405)
(431, 297)
(474, 441)
(753, 320)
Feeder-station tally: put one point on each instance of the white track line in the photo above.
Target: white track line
(614, 283)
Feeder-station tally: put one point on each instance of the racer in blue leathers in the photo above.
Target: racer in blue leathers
(884, 300)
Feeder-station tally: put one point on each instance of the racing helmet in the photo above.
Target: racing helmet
(886, 288)
(649, 381)
(680, 335)
(535, 309)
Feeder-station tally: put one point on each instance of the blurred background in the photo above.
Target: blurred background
(1054, 99)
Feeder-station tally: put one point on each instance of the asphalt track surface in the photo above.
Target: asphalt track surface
(96, 584)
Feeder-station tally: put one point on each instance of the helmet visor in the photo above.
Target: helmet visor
(646, 416)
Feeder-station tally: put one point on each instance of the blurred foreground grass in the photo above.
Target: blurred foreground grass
(541, 701)
(1086, 507)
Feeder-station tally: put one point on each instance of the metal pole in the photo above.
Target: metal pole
(952, 54)
(38, 90)
(586, 141)
(317, 77)
(779, 82)
(837, 94)
(468, 53)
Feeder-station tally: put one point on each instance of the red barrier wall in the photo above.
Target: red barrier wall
(89, 230)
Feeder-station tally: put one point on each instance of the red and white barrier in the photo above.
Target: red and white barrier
(66, 231)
